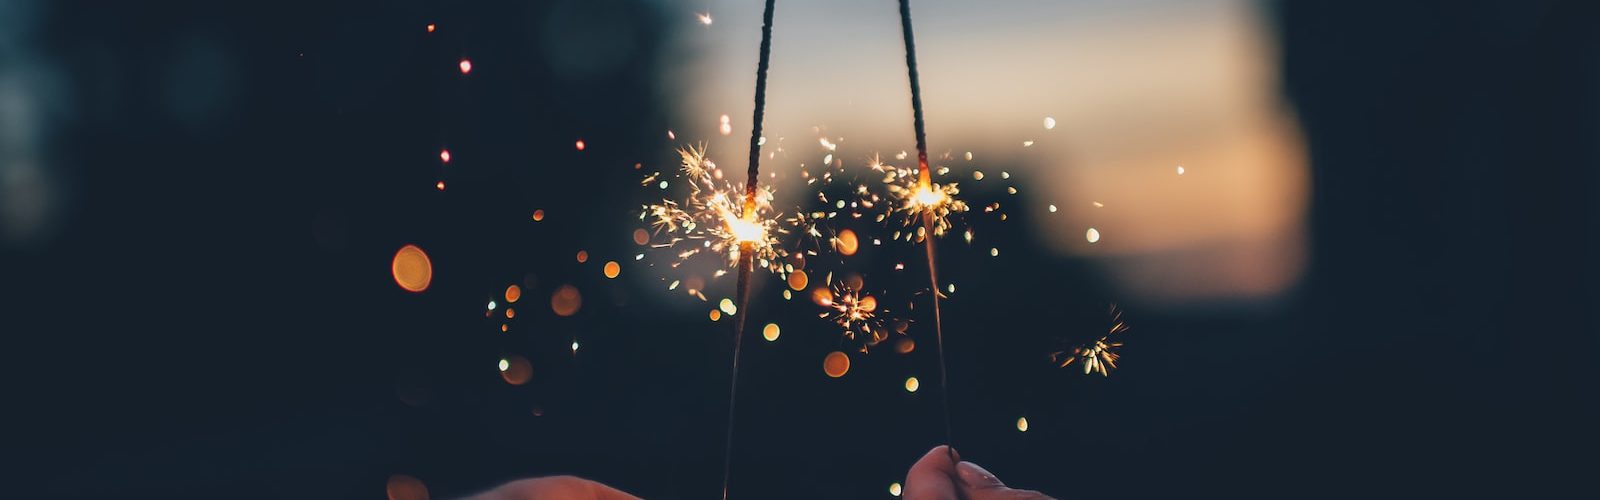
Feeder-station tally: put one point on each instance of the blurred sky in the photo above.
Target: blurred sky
(1136, 90)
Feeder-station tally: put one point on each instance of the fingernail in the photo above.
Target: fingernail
(977, 476)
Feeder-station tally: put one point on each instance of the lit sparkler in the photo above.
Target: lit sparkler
(856, 313)
(920, 199)
(1099, 355)
(713, 216)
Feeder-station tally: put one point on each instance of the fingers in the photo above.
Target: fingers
(978, 483)
(554, 488)
(932, 477)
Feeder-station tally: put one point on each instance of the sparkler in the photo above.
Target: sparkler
(1098, 355)
(748, 233)
(714, 216)
(927, 202)
(855, 312)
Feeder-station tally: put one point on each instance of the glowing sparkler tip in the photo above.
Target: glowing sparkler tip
(927, 196)
(746, 231)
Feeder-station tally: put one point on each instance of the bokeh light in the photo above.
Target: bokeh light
(822, 296)
(727, 306)
(566, 301)
(836, 364)
(894, 489)
(583, 256)
(538, 215)
(411, 268)
(1022, 424)
(613, 269)
(513, 293)
(770, 332)
(905, 346)
(466, 66)
(515, 370)
(846, 242)
(912, 384)
(797, 280)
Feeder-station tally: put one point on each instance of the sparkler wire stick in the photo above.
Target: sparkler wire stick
(924, 181)
(747, 248)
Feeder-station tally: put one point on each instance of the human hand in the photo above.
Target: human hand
(935, 477)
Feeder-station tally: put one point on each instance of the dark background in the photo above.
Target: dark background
(212, 313)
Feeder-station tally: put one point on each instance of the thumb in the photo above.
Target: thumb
(978, 483)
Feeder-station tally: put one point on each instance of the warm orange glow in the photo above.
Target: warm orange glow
(538, 215)
(846, 242)
(513, 293)
(927, 196)
(854, 282)
(430, 28)
(641, 237)
(466, 66)
(822, 297)
(1022, 424)
(797, 280)
(894, 489)
(583, 256)
(912, 384)
(745, 230)
(403, 487)
(715, 315)
(411, 268)
(439, 185)
(444, 155)
(770, 332)
(511, 313)
(613, 269)
(867, 304)
(515, 370)
(566, 300)
(836, 364)
(580, 145)
(905, 346)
